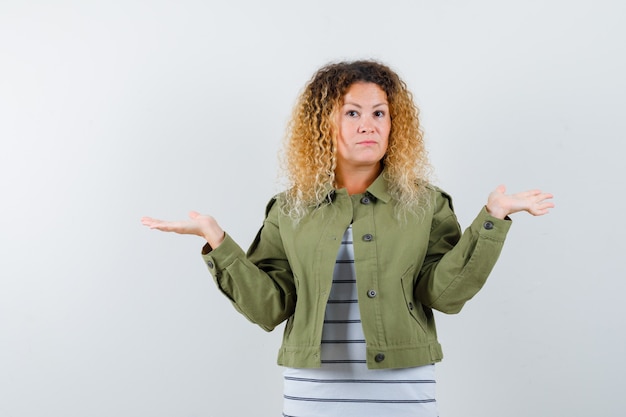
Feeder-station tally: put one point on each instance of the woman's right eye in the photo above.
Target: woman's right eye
(352, 113)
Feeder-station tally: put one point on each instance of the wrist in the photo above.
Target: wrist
(497, 212)
(214, 236)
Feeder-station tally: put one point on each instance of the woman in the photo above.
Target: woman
(358, 251)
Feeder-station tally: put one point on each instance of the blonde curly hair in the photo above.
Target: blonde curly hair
(309, 156)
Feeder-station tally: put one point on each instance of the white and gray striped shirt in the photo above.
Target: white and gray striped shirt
(344, 386)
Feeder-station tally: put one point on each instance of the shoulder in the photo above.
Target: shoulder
(275, 207)
(270, 204)
(441, 209)
(439, 197)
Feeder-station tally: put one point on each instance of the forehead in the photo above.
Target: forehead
(365, 91)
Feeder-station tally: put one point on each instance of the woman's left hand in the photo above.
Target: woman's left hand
(535, 202)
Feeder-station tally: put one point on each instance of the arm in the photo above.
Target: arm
(457, 265)
(260, 283)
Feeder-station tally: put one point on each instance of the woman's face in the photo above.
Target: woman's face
(363, 124)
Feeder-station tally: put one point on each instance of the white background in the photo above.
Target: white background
(113, 110)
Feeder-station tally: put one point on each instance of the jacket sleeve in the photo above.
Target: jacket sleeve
(259, 283)
(457, 265)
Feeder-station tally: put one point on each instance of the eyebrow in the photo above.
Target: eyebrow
(349, 103)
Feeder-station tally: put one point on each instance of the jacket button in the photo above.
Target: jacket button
(410, 306)
(488, 225)
(379, 357)
(371, 293)
(365, 200)
(368, 237)
(210, 264)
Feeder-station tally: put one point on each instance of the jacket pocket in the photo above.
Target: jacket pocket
(288, 328)
(290, 320)
(414, 308)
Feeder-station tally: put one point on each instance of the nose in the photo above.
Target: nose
(366, 126)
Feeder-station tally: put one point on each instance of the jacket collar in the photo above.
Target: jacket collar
(379, 189)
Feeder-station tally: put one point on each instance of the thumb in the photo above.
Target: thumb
(501, 189)
(193, 214)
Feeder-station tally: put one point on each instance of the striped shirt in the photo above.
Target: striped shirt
(344, 386)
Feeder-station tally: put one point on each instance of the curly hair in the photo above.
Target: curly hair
(310, 153)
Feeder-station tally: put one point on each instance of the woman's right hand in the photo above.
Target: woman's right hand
(198, 224)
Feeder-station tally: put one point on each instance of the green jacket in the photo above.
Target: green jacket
(404, 269)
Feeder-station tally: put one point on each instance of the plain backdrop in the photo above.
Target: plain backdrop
(112, 110)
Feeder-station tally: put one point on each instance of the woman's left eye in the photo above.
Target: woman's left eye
(379, 113)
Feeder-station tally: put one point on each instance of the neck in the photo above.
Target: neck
(358, 179)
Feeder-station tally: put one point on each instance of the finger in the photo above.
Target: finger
(193, 214)
(541, 200)
(543, 208)
(160, 225)
(546, 196)
(527, 194)
(170, 226)
(540, 212)
(165, 226)
(547, 205)
(148, 221)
